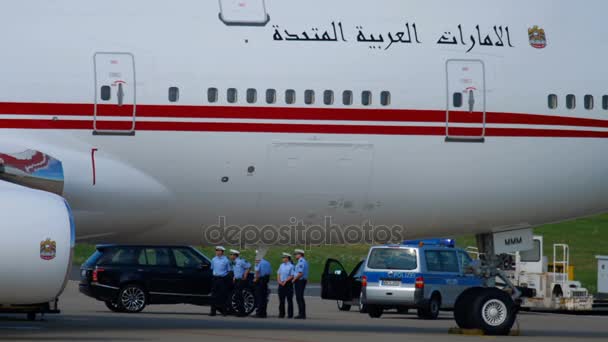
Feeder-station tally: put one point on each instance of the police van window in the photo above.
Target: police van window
(106, 93)
(309, 97)
(212, 95)
(457, 100)
(605, 102)
(271, 96)
(328, 97)
(232, 95)
(173, 94)
(393, 259)
(589, 102)
(366, 98)
(442, 261)
(347, 97)
(571, 101)
(385, 98)
(532, 255)
(464, 260)
(290, 96)
(552, 101)
(252, 95)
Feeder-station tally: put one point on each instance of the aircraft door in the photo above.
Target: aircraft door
(115, 94)
(466, 101)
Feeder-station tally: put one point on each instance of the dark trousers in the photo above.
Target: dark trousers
(239, 286)
(219, 293)
(286, 294)
(261, 295)
(300, 287)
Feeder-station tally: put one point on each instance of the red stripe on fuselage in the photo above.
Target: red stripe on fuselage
(296, 113)
(298, 128)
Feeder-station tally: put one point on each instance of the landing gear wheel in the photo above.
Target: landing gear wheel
(462, 308)
(132, 299)
(375, 311)
(493, 311)
(113, 306)
(342, 306)
(431, 309)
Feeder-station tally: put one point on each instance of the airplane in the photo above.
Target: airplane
(155, 120)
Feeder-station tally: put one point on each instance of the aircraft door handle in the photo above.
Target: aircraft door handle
(120, 94)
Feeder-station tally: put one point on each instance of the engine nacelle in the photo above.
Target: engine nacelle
(36, 244)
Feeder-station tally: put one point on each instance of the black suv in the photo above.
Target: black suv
(127, 278)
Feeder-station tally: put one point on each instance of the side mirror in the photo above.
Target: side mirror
(338, 272)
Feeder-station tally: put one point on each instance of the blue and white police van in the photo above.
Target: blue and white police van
(427, 275)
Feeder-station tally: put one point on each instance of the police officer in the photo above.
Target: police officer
(241, 272)
(284, 278)
(300, 279)
(221, 281)
(262, 277)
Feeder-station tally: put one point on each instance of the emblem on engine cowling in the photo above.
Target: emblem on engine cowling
(48, 249)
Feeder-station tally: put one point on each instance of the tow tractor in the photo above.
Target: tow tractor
(548, 286)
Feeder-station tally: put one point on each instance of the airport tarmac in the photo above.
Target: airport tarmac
(84, 319)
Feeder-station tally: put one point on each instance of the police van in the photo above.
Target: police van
(427, 275)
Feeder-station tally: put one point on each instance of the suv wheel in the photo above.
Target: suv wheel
(113, 306)
(132, 299)
(342, 306)
(431, 309)
(248, 301)
(375, 311)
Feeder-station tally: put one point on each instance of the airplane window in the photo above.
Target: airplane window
(605, 102)
(457, 100)
(290, 96)
(385, 98)
(328, 97)
(232, 95)
(212, 95)
(309, 97)
(271, 96)
(347, 98)
(106, 93)
(570, 101)
(252, 95)
(173, 94)
(366, 98)
(589, 102)
(552, 101)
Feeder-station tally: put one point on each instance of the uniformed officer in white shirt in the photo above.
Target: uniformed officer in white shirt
(300, 280)
(284, 277)
(241, 273)
(221, 281)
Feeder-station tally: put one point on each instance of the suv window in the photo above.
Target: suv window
(441, 261)
(186, 258)
(158, 256)
(393, 259)
(121, 256)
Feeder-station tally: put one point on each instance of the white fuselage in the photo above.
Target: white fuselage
(188, 162)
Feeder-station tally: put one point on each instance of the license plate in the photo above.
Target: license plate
(391, 283)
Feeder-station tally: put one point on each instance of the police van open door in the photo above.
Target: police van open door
(115, 94)
(466, 101)
(334, 281)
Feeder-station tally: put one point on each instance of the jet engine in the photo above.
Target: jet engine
(36, 244)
